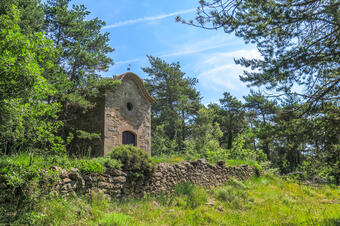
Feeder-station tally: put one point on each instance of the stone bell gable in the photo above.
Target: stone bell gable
(127, 114)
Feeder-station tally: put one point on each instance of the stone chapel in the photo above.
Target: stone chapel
(122, 116)
(127, 118)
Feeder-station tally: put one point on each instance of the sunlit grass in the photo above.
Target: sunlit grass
(266, 200)
(172, 159)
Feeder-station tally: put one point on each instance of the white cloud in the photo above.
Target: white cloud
(222, 57)
(128, 61)
(145, 19)
(188, 48)
(219, 72)
(222, 77)
(215, 42)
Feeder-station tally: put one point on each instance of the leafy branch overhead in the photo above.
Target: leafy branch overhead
(298, 41)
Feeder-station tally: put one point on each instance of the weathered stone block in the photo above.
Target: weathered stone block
(120, 179)
(66, 180)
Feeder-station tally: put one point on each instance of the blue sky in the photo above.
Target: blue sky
(147, 27)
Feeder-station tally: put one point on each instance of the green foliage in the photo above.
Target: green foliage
(231, 118)
(115, 219)
(316, 171)
(85, 135)
(233, 196)
(96, 165)
(18, 49)
(205, 135)
(234, 193)
(161, 143)
(17, 173)
(275, 26)
(239, 152)
(32, 14)
(27, 180)
(261, 112)
(218, 154)
(73, 210)
(27, 119)
(24, 179)
(173, 159)
(212, 151)
(299, 65)
(177, 102)
(237, 162)
(135, 162)
(190, 196)
(83, 47)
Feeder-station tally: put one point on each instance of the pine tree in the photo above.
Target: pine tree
(232, 118)
(82, 54)
(82, 47)
(263, 110)
(177, 100)
(298, 40)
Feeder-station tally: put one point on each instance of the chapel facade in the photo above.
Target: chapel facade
(120, 116)
(127, 115)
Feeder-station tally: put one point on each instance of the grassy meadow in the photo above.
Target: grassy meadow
(267, 200)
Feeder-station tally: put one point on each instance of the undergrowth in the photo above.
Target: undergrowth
(266, 200)
(26, 179)
(174, 159)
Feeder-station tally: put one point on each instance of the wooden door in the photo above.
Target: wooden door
(129, 138)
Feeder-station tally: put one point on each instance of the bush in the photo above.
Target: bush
(233, 193)
(241, 153)
(314, 170)
(19, 170)
(161, 143)
(96, 165)
(135, 162)
(21, 187)
(235, 198)
(189, 195)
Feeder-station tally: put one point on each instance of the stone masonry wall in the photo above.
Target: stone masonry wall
(198, 172)
(113, 182)
(119, 119)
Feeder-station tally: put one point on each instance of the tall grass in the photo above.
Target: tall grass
(266, 200)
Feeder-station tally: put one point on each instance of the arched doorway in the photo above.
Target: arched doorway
(129, 138)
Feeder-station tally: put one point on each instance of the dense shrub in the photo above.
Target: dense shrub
(172, 159)
(28, 119)
(233, 193)
(240, 152)
(162, 144)
(135, 162)
(316, 171)
(19, 170)
(22, 184)
(27, 179)
(190, 196)
(96, 165)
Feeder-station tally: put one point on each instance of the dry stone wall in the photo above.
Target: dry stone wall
(198, 172)
(113, 182)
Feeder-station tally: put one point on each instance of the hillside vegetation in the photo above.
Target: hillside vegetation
(266, 200)
(52, 56)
